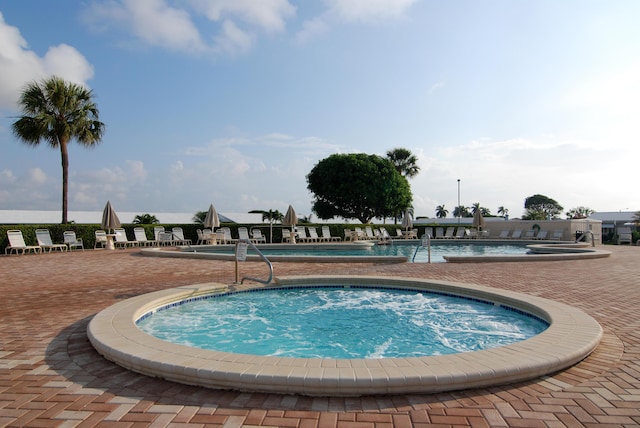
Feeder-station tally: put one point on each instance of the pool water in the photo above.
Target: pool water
(338, 322)
(438, 250)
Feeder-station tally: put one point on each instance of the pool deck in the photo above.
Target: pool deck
(51, 376)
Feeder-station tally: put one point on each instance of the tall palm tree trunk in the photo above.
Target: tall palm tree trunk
(64, 154)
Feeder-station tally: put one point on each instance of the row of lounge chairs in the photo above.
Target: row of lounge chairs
(310, 234)
(17, 243)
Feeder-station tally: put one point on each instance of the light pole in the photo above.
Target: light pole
(459, 213)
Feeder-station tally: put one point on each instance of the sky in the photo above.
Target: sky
(233, 102)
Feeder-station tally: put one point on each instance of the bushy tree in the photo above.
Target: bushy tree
(462, 211)
(579, 212)
(541, 207)
(58, 112)
(357, 186)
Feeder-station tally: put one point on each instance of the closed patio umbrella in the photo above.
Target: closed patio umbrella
(291, 219)
(407, 223)
(110, 219)
(478, 220)
(211, 220)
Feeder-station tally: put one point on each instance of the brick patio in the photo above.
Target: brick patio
(51, 376)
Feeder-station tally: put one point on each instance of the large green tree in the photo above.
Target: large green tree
(357, 186)
(57, 112)
(541, 207)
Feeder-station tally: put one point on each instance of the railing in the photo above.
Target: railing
(425, 243)
(241, 255)
(584, 235)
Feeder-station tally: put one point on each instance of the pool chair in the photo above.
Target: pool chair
(530, 234)
(141, 237)
(17, 244)
(429, 231)
(257, 236)
(349, 235)
(439, 232)
(542, 234)
(326, 235)
(624, 236)
(460, 232)
(504, 234)
(121, 240)
(44, 240)
(369, 233)
(178, 237)
(517, 234)
(558, 235)
(226, 233)
(101, 239)
(313, 234)
(449, 233)
(359, 233)
(286, 235)
(74, 242)
(384, 235)
(243, 233)
(302, 234)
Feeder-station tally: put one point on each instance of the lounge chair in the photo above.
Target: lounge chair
(141, 237)
(359, 233)
(504, 234)
(428, 231)
(326, 234)
(44, 240)
(558, 235)
(439, 232)
(243, 233)
(369, 233)
(449, 233)
(178, 236)
(121, 239)
(460, 232)
(530, 234)
(257, 236)
(17, 244)
(542, 234)
(313, 234)
(74, 242)
(349, 235)
(384, 235)
(157, 230)
(517, 234)
(625, 236)
(286, 235)
(101, 239)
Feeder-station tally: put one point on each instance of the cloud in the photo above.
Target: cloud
(152, 22)
(368, 10)
(19, 65)
(267, 15)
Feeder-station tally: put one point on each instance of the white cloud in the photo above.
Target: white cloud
(19, 65)
(312, 29)
(232, 39)
(37, 176)
(153, 22)
(368, 10)
(268, 15)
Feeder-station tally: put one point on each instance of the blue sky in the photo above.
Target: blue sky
(233, 102)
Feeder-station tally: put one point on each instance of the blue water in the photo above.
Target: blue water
(340, 323)
(438, 251)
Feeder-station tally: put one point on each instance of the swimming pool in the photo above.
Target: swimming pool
(341, 322)
(403, 250)
(570, 337)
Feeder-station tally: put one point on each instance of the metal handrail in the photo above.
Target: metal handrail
(262, 256)
(583, 237)
(426, 243)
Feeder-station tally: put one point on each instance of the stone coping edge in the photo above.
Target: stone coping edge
(572, 335)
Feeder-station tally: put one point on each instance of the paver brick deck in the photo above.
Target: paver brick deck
(51, 376)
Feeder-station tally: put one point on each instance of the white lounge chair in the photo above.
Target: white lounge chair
(439, 233)
(517, 234)
(326, 234)
(369, 233)
(504, 234)
(542, 234)
(101, 239)
(350, 235)
(74, 242)
(286, 235)
(625, 236)
(121, 239)
(243, 233)
(178, 236)
(530, 234)
(141, 237)
(558, 235)
(313, 234)
(460, 232)
(257, 236)
(449, 233)
(44, 240)
(17, 244)
(429, 231)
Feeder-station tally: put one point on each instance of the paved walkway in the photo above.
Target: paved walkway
(51, 376)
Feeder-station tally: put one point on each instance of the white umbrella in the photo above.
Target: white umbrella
(211, 220)
(407, 223)
(109, 218)
(291, 219)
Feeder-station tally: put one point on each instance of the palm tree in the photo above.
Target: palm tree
(57, 112)
(441, 211)
(271, 216)
(199, 217)
(504, 212)
(145, 219)
(404, 161)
